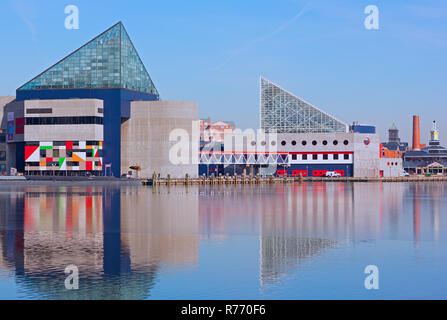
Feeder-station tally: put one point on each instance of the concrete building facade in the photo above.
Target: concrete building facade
(146, 138)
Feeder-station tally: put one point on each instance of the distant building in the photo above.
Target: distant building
(430, 159)
(393, 134)
(300, 140)
(214, 131)
(394, 148)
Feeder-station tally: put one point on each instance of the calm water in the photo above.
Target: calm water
(302, 241)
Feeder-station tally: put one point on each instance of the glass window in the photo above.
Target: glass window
(108, 61)
(315, 156)
(314, 142)
(335, 142)
(346, 156)
(304, 157)
(283, 142)
(294, 156)
(335, 156)
(304, 142)
(281, 111)
(346, 142)
(325, 156)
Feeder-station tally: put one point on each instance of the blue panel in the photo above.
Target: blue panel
(20, 156)
(363, 129)
(209, 169)
(116, 107)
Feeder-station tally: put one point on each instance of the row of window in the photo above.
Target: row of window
(325, 156)
(64, 120)
(303, 142)
(314, 142)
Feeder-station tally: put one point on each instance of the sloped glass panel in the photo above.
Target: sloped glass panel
(135, 76)
(108, 61)
(283, 112)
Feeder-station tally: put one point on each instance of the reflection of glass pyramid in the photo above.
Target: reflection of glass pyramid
(108, 61)
(284, 112)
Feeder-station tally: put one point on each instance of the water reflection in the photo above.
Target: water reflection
(123, 239)
(117, 238)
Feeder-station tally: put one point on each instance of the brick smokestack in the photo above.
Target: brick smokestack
(416, 134)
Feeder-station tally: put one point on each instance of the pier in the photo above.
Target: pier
(220, 180)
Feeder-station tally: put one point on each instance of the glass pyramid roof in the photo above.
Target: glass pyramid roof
(108, 61)
(283, 112)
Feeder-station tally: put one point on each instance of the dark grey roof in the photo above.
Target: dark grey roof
(393, 146)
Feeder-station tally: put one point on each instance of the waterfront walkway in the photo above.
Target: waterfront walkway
(275, 180)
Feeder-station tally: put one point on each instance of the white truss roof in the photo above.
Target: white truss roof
(284, 112)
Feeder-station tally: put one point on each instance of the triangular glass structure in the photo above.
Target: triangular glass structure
(283, 112)
(108, 61)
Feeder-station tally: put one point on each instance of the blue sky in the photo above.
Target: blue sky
(213, 52)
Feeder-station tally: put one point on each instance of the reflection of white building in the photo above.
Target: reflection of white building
(305, 220)
(160, 228)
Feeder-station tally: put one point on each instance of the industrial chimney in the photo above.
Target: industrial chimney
(416, 134)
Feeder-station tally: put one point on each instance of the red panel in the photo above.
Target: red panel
(20, 130)
(296, 173)
(341, 172)
(88, 165)
(49, 160)
(29, 150)
(69, 145)
(281, 172)
(20, 121)
(319, 173)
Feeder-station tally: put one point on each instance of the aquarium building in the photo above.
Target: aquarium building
(95, 112)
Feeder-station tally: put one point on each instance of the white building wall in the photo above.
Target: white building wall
(64, 108)
(391, 167)
(145, 137)
(366, 155)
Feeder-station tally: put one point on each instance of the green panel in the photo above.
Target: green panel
(46, 148)
(61, 162)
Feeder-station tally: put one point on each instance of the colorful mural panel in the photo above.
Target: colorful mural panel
(63, 156)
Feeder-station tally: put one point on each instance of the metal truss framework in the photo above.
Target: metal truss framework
(243, 158)
(283, 112)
